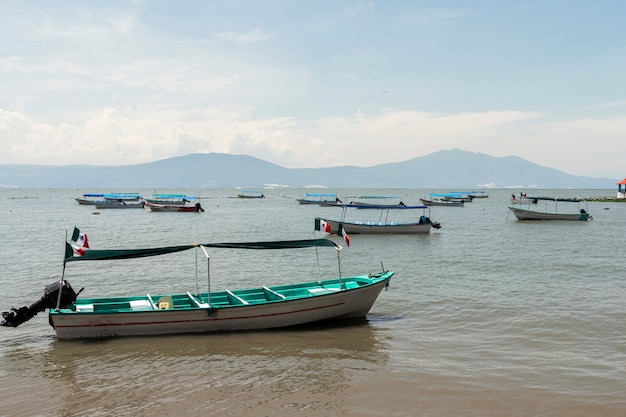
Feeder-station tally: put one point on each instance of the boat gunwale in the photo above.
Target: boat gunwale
(550, 216)
(365, 282)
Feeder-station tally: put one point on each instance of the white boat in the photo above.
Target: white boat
(261, 307)
(453, 196)
(188, 208)
(120, 201)
(119, 204)
(320, 199)
(373, 228)
(171, 199)
(89, 199)
(554, 209)
(251, 194)
(436, 201)
(382, 226)
(466, 198)
(381, 202)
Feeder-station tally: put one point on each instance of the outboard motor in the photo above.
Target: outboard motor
(434, 225)
(50, 298)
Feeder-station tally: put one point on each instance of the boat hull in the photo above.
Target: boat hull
(320, 199)
(173, 208)
(319, 304)
(170, 199)
(380, 228)
(179, 209)
(85, 202)
(524, 214)
(251, 194)
(443, 203)
(165, 202)
(360, 205)
(320, 202)
(119, 205)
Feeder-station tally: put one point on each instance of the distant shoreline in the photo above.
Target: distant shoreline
(606, 199)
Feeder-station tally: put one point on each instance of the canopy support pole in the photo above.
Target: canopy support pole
(341, 285)
(317, 258)
(208, 273)
(197, 288)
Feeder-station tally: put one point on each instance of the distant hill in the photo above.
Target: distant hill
(444, 169)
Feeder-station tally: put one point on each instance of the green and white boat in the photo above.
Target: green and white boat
(262, 307)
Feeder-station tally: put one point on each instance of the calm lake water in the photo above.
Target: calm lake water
(487, 316)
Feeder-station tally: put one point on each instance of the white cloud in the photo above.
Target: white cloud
(115, 138)
(591, 147)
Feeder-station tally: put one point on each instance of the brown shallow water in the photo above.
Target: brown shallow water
(347, 370)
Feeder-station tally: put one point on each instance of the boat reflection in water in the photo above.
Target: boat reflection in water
(250, 373)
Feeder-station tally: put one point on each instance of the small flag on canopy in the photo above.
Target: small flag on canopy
(77, 245)
(344, 234)
(80, 239)
(73, 251)
(322, 225)
(78, 251)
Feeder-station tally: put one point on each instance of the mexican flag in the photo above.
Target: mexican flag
(78, 251)
(322, 226)
(73, 251)
(80, 238)
(344, 234)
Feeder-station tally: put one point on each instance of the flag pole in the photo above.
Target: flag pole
(62, 274)
(61, 287)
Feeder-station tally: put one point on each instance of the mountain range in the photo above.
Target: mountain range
(443, 169)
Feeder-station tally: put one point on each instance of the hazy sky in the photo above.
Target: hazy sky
(314, 83)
